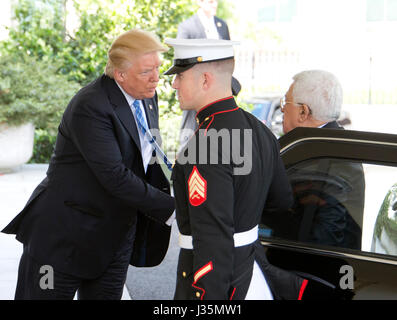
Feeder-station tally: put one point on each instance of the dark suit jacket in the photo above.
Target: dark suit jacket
(333, 125)
(192, 28)
(96, 189)
(343, 213)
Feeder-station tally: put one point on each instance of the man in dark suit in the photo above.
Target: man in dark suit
(202, 25)
(314, 99)
(105, 202)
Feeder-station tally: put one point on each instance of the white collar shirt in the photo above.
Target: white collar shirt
(146, 147)
(322, 125)
(209, 25)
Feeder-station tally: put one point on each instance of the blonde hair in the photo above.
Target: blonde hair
(127, 46)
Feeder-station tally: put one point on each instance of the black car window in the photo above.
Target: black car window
(337, 203)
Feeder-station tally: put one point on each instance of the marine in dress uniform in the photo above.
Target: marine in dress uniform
(220, 200)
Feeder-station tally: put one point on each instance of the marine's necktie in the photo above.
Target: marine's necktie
(146, 132)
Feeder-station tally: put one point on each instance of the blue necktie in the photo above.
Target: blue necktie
(146, 132)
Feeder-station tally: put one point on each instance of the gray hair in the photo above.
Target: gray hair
(320, 91)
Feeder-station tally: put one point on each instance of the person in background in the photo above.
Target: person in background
(204, 24)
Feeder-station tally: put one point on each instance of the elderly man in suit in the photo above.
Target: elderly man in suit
(314, 100)
(105, 202)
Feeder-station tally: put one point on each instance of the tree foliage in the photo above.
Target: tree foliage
(33, 91)
(82, 53)
(44, 49)
(40, 29)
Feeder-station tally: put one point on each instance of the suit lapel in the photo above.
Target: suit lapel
(219, 26)
(122, 110)
(148, 107)
(152, 119)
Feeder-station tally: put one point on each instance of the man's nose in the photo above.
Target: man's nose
(174, 86)
(156, 76)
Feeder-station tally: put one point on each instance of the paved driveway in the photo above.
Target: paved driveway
(15, 189)
(157, 283)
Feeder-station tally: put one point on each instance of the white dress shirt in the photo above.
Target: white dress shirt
(209, 25)
(146, 147)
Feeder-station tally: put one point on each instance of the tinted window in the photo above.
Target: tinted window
(267, 13)
(391, 14)
(339, 203)
(277, 10)
(287, 10)
(375, 10)
(381, 10)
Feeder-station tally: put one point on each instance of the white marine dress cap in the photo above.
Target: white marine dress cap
(188, 52)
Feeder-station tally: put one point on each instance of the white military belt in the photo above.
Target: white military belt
(240, 239)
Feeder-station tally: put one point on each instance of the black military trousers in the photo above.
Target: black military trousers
(34, 282)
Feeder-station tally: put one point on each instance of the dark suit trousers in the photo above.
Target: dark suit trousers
(37, 282)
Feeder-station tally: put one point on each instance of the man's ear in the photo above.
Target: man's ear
(208, 80)
(118, 76)
(304, 113)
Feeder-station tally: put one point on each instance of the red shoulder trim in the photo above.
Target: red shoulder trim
(213, 116)
(206, 106)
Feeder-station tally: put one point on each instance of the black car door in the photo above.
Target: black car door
(342, 229)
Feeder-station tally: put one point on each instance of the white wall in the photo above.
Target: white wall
(5, 17)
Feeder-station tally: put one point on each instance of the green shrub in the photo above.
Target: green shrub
(44, 144)
(32, 91)
(39, 31)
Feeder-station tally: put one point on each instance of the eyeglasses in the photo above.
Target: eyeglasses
(284, 102)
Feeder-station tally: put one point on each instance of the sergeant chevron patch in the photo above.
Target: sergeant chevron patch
(197, 188)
